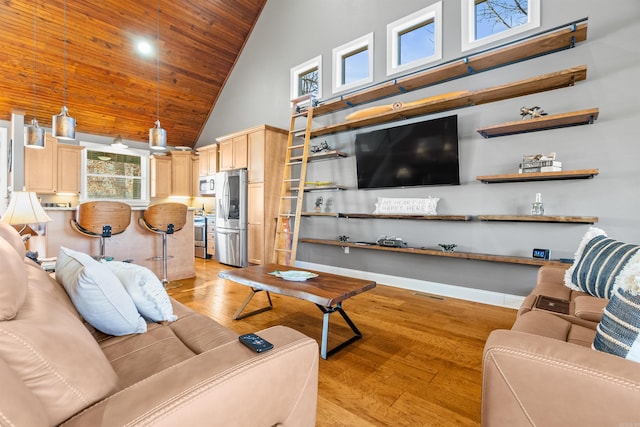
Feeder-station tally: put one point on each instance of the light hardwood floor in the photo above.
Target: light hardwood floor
(418, 364)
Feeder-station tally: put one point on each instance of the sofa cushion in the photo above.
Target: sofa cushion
(147, 292)
(13, 281)
(98, 294)
(598, 262)
(11, 235)
(55, 356)
(619, 330)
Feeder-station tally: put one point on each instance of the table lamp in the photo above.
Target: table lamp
(24, 209)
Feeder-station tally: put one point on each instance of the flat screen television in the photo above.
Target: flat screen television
(416, 154)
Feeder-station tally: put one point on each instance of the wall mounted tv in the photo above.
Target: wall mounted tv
(416, 154)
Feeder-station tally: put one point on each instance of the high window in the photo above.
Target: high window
(353, 64)
(115, 174)
(306, 78)
(485, 21)
(415, 40)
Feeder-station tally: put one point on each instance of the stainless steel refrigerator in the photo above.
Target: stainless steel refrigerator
(231, 217)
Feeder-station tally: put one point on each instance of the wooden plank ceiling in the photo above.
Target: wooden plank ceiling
(111, 89)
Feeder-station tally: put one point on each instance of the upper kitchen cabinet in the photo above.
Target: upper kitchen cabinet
(181, 173)
(160, 167)
(233, 151)
(53, 169)
(208, 160)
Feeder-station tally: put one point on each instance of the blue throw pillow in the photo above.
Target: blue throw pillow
(619, 330)
(598, 261)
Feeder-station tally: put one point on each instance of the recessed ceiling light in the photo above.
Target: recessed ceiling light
(144, 47)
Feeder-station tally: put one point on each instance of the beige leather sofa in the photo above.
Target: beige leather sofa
(543, 372)
(57, 370)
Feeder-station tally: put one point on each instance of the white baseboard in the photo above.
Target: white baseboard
(460, 292)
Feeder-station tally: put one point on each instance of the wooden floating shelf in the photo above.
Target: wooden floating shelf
(551, 42)
(320, 156)
(436, 252)
(378, 216)
(540, 218)
(325, 188)
(551, 81)
(575, 118)
(539, 176)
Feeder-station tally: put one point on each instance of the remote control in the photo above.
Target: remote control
(255, 343)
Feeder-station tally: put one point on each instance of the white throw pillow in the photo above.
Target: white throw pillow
(146, 290)
(97, 294)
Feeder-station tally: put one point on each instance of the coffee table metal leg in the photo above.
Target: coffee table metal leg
(324, 352)
(254, 291)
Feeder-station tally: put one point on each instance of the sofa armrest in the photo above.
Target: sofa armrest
(534, 380)
(228, 385)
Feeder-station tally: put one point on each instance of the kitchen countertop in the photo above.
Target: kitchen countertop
(73, 208)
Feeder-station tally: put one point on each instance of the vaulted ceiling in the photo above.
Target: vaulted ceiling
(111, 89)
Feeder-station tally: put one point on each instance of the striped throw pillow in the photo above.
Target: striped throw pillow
(619, 330)
(599, 260)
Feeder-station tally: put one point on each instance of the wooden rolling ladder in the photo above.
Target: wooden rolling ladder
(292, 191)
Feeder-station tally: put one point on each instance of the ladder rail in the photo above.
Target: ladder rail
(287, 233)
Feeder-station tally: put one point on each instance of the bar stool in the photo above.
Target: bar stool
(164, 218)
(101, 219)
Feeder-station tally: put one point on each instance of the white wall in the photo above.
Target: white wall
(290, 32)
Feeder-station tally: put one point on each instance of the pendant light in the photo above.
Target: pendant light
(34, 134)
(64, 126)
(157, 135)
(118, 143)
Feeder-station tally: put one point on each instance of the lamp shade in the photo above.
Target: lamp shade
(63, 126)
(34, 135)
(24, 208)
(157, 137)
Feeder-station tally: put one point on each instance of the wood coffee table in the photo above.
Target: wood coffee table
(327, 291)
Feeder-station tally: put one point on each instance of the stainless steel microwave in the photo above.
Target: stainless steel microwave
(208, 185)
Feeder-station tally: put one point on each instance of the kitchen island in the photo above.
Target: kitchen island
(135, 243)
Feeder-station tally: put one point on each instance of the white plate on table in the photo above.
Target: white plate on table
(294, 275)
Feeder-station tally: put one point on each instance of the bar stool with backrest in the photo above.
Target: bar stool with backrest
(164, 219)
(101, 219)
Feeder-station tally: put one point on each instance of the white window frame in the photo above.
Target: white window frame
(339, 53)
(302, 69)
(469, 21)
(433, 12)
(144, 171)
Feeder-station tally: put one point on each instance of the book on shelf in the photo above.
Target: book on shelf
(540, 164)
(542, 169)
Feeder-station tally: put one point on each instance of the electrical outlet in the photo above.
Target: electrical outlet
(346, 249)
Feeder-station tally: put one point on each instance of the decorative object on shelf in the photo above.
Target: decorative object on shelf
(532, 163)
(328, 204)
(407, 206)
(448, 247)
(396, 106)
(537, 207)
(323, 146)
(343, 238)
(319, 202)
(391, 242)
(533, 112)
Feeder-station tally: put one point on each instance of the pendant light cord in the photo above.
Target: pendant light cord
(35, 58)
(158, 64)
(64, 88)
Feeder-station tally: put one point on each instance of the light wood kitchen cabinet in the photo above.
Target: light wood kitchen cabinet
(40, 167)
(208, 160)
(265, 152)
(181, 173)
(54, 168)
(69, 165)
(160, 176)
(195, 176)
(233, 152)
